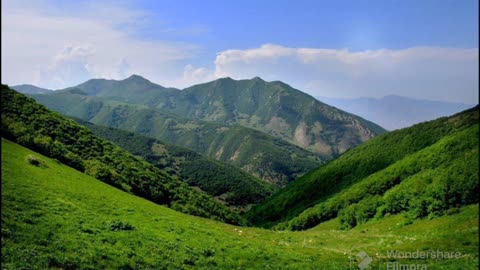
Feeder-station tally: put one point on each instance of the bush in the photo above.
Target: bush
(33, 160)
(117, 225)
(359, 213)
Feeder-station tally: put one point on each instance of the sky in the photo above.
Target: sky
(343, 49)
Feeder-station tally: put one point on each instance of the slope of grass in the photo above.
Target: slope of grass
(58, 218)
(363, 161)
(33, 125)
(226, 182)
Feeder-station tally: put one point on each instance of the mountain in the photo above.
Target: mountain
(30, 89)
(271, 107)
(54, 217)
(262, 155)
(225, 182)
(424, 170)
(274, 108)
(32, 125)
(134, 89)
(394, 112)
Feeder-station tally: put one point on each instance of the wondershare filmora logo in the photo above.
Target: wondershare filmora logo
(403, 260)
(365, 260)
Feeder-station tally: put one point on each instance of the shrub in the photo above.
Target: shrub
(117, 225)
(33, 160)
(359, 213)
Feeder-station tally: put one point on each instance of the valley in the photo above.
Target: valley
(52, 217)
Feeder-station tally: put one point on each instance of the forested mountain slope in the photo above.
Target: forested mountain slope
(425, 169)
(257, 153)
(274, 108)
(226, 182)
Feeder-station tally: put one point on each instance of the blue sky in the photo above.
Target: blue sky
(423, 49)
(357, 25)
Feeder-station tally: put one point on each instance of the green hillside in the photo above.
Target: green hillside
(34, 126)
(223, 181)
(262, 155)
(425, 170)
(54, 217)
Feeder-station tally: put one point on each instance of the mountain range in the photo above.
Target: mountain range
(31, 89)
(394, 112)
(268, 129)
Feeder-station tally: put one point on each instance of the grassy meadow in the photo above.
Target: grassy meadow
(54, 217)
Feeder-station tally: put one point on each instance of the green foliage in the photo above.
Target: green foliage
(33, 160)
(226, 182)
(118, 225)
(445, 145)
(49, 133)
(359, 213)
(58, 218)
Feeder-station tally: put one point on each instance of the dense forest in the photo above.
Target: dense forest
(226, 182)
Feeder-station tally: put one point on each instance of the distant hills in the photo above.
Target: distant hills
(268, 129)
(394, 112)
(30, 89)
(424, 170)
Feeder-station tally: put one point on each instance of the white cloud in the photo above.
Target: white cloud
(70, 65)
(192, 75)
(55, 45)
(58, 48)
(422, 72)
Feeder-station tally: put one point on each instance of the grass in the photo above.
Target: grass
(58, 218)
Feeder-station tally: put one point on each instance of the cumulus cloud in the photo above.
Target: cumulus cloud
(69, 65)
(192, 75)
(56, 44)
(423, 72)
(58, 48)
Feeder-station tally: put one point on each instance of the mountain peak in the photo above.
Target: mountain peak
(135, 77)
(256, 78)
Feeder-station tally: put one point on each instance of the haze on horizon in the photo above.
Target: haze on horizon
(424, 50)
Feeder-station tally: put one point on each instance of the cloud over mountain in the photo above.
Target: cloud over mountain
(423, 72)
